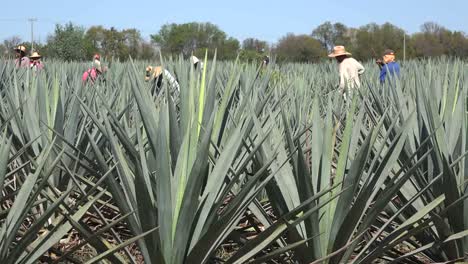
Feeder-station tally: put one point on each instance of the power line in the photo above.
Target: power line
(39, 20)
(11, 19)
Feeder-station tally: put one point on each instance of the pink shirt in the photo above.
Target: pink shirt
(92, 74)
(23, 64)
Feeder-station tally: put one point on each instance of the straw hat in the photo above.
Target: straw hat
(35, 55)
(152, 72)
(339, 51)
(20, 48)
(194, 59)
(97, 65)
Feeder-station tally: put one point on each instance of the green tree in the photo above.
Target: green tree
(132, 40)
(372, 39)
(250, 55)
(331, 35)
(9, 44)
(194, 38)
(38, 47)
(229, 49)
(113, 43)
(436, 40)
(67, 42)
(431, 40)
(255, 44)
(253, 50)
(3, 51)
(458, 45)
(95, 38)
(299, 48)
(147, 51)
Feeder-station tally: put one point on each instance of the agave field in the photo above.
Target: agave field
(244, 165)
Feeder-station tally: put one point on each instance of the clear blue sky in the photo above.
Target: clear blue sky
(267, 20)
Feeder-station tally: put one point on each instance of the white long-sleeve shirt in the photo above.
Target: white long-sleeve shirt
(171, 81)
(350, 69)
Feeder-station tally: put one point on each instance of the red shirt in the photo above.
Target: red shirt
(36, 65)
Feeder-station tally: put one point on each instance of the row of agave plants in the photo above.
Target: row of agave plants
(273, 162)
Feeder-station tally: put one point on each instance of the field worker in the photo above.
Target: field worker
(157, 74)
(21, 61)
(35, 62)
(196, 63)
(96, 58)
(388, 65)
(92, 74)
(349, 70)
(266, 61)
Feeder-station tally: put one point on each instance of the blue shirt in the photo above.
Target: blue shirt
(393, 68)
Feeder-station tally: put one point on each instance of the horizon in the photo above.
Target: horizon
(261, 20)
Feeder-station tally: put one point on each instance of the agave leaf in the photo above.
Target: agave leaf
(49, 239)
(191, 200)
(117, 248)
(4, 155)
(21, 206)
(341, 166)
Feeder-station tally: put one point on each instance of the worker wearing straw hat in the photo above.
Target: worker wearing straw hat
(349, 70)
(157, 74)
(388, 66)
(197, 64)
(35, 61)
(266, 61)
(92, 74)
(21, 61)
(97, 62)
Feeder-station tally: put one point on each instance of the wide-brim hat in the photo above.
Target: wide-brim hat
(339, 51)
(97, 65)
(194, 59)
(152, 72)
(35, 55)
(20, 48)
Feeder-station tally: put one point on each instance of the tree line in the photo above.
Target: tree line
(71, 42)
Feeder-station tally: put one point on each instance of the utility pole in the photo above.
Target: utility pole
(404, 46)
(32, 20)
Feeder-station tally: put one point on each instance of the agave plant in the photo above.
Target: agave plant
(272, 161)
(399, 185)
